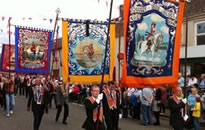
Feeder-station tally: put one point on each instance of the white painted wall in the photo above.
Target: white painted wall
(193, 51)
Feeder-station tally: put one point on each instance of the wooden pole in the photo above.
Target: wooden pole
(56, 41)
(106, 45)
(106, 48)
(54, 30)
(185, 58)
(119, 49)
(9, 24)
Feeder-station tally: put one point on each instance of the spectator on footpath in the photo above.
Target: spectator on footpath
(163, 99)
(146, 100)
(138, 104)
(196, 114)
(203, 105)
(2, 94)
(202, 83)
(192, 100)
(192, 80)
(181, 80)
(156, 105)
(176, 105)
(9, 94)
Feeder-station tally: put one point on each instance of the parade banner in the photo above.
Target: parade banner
(5, 59)
(32, 50)
(152, 30)
(83, 51)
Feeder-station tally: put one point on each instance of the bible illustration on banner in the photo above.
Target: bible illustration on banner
(84, 50)
(152, 41)
(32, 50)
(5, 59)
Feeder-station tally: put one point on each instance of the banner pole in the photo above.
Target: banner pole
(107, 40)
(106, 47)
(185, 57)
(9, 23)
(56, 22)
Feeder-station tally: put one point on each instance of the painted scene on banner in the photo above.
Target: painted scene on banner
(5, 59)
(86, 52)
(151, 37)
(32, 49)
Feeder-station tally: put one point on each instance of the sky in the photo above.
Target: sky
(37, 10)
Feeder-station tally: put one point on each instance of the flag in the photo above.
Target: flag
(44, 19)
(152, 33)
(33, 49)
(4, 65)
(30, 18)
(83, 55)
(106, 2)
(9, 21)
(3, 18)
(51, 20)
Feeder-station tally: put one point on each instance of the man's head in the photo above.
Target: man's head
(194, 91)
(177, 91)
(6, 79)
(111, 85)
(180, 75)
(95, 90)
(37, 81)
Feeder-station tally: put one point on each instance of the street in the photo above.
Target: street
(23, 120)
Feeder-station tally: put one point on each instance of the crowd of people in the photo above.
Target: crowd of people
(105, 104)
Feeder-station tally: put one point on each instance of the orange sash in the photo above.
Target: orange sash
(95, 111)
(176, 99)
(111, 99)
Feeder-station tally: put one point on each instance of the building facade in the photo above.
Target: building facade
(195, 15)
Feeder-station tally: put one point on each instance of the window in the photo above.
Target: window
(182, 35)
(200, 33)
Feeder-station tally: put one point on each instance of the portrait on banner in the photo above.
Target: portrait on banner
(151, 43)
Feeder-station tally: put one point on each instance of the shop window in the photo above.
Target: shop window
(200, 33)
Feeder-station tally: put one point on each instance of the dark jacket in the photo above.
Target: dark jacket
(89, 124)
(33, 102)
(176, 118)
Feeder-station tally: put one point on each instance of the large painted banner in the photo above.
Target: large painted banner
(32, 50)
(83, 51)
(152, 30)
(7, 58)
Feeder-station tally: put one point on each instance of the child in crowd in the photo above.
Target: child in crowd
(196, 114)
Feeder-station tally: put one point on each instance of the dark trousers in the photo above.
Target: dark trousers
(21, 89)
(66, 112)
(157, 116)
(138, 111)
(112, 120)
(27, 90)
(196, 123)
(52, 96)
(162, 108)
(37, 114)
(178, 127)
